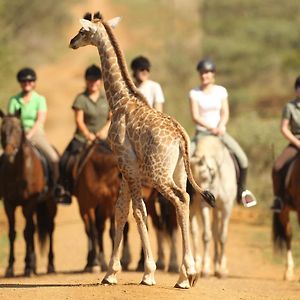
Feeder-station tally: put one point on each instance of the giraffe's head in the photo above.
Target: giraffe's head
(91, 26)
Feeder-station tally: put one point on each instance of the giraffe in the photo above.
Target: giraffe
(150, 146)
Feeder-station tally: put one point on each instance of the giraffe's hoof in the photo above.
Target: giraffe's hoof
(193, 278)
(147, 282)
(181, 286)
(106, 281)
(204, 274)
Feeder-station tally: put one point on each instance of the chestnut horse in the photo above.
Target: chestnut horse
(282, 229)
(23, 183)
(96, 187)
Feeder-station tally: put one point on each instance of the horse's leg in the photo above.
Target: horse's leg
(173, 264)
(52, 212)
(121, 216)
(285, 220)
(30, 258)
(223, 270)
(100, 221)
(206, 240)
(195, 232)
(126, 255)
(216, 237)
(10, 213)
(91, 231)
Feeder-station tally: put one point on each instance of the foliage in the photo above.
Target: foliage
(28, 35)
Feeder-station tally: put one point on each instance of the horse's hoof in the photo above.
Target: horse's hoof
(140, 268)
(204, 274)
(28, 272)
(193, 278)
(9, 273)
(160, 266)
(51, 269)
(220, 275)
(173, 269)
(104, 268)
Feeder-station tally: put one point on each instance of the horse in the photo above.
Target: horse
(281, 226)
(96, 186)
(23, 183)
(213, 169)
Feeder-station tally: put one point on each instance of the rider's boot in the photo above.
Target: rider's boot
(244, 196)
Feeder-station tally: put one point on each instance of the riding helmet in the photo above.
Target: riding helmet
(26, 74)
(206, 65)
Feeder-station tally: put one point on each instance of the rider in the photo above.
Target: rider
(33, 115)
(290, 128)
(210, 112)
(152, 91)
(92, 118)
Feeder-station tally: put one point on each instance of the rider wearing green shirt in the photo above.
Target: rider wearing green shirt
(33, 109)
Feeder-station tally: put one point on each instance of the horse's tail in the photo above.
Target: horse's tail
(278, 233)
(184, 148)
(42, 217)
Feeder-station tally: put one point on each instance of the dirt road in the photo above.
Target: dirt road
(252, 275)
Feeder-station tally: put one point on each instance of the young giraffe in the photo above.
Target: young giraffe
(150, 146)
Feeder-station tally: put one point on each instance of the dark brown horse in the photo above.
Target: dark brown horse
(23, 183)
(282, 229)
(97, 184)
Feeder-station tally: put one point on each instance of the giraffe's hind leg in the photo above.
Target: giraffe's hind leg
(180, 199)
(121, 216)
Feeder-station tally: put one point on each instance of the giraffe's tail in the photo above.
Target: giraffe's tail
(184, 147)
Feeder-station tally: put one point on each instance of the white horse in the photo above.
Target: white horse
(214, 170)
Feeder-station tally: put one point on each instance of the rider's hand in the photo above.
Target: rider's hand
(221, 130)
(91, 137)
(214, 131)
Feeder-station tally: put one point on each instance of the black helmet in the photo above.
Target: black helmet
(93, 72)
(26, 74)
(140, 63)
(297, 82)
(206, 65)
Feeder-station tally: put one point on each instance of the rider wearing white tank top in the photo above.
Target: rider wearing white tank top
(210, 113)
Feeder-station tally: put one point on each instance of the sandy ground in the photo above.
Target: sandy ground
(252, 276)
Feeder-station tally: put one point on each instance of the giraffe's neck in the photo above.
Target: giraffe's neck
(117, 83)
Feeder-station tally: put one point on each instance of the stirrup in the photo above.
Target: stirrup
(246, 196)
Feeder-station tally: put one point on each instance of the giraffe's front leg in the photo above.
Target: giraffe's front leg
(121, 216)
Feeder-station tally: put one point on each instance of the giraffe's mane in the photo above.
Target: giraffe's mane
(122, 65)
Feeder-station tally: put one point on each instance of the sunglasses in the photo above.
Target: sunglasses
(27, 80)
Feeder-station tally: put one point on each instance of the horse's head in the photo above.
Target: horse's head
(11, 133)
(92, 30)
(204, 171)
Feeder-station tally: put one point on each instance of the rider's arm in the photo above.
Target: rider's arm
(224, 116)
(285, 130)
(79, 119)
(103, 132)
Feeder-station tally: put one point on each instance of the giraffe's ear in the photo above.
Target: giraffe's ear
(88, 25)
(113, 23)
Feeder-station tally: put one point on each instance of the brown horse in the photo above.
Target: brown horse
(23, 184)
(282, 229)
(96, 187)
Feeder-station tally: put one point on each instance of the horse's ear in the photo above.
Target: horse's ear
(195, 160)
(2, 114)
